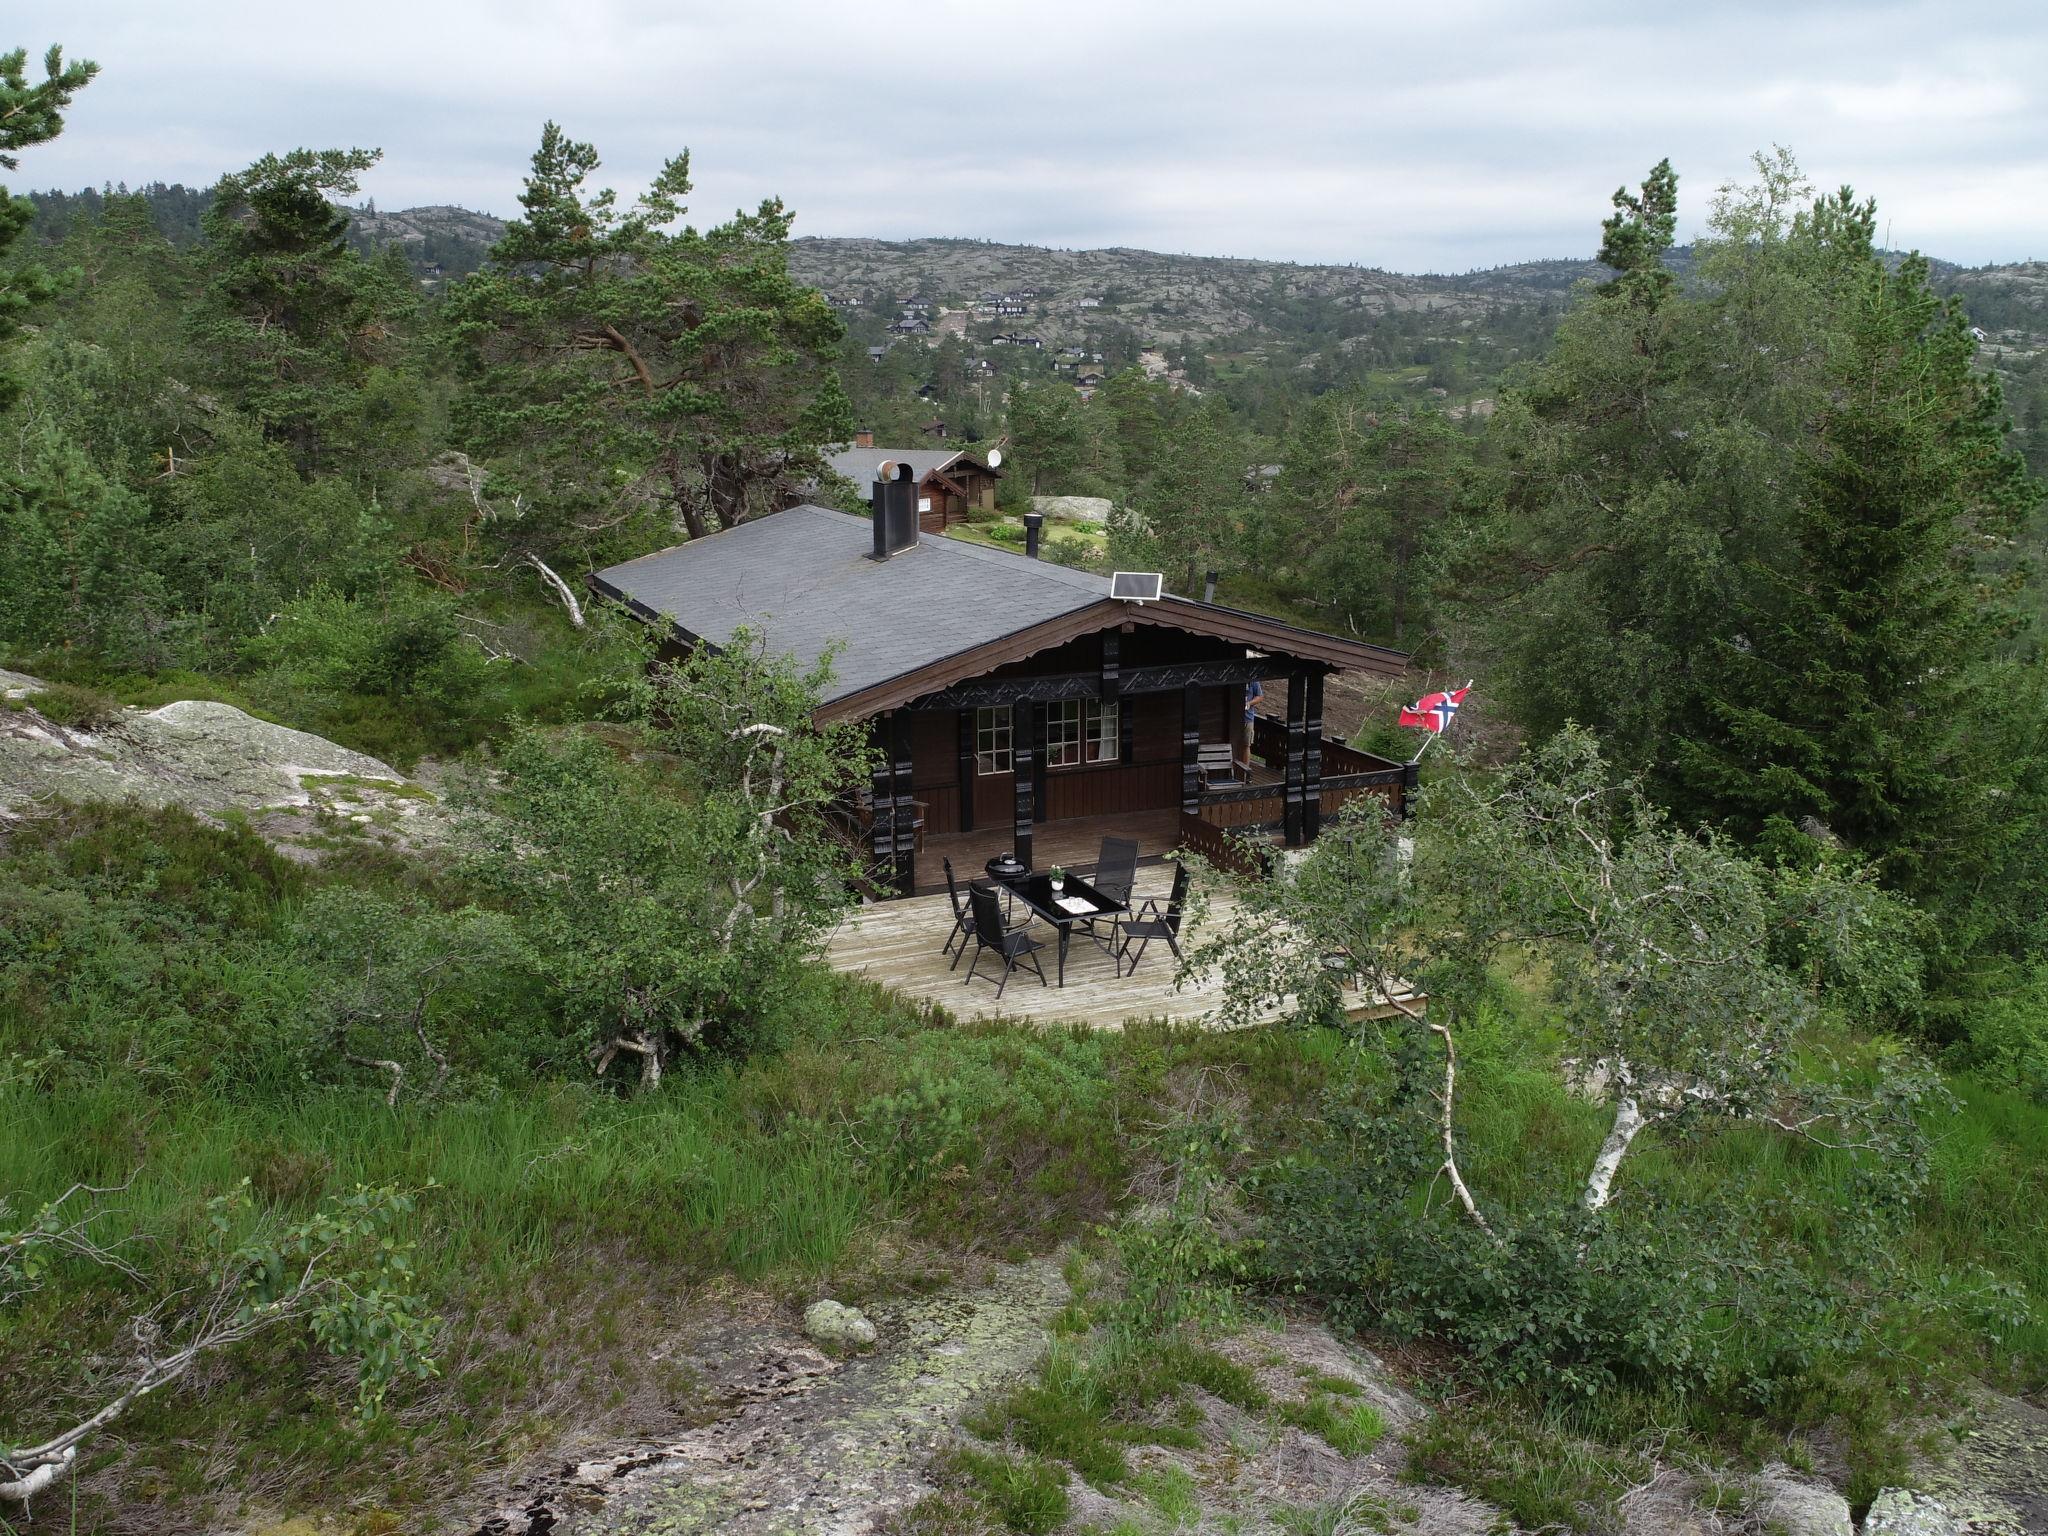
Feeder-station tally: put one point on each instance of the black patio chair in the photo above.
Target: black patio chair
(963, 918)
(1014, 945)
(1151, 921)
(1116, 871)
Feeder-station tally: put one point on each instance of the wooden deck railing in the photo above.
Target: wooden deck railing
(1239, 853)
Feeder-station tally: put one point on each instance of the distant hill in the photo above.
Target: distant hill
(1192, 302)
(1169, 300)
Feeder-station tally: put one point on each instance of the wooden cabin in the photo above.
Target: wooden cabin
(951, 485)
(1019, 705)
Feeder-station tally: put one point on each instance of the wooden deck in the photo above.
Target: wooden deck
(897, 943)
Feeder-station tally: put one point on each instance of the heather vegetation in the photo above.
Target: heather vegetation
(339, 1184)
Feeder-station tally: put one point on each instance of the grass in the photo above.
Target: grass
(70, 704)
(1531, 1465)
(1087, 1403)
(1349, 1428)
(1026, 1494)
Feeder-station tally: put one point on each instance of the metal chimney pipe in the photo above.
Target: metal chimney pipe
(1033, 521)
(1209, 589)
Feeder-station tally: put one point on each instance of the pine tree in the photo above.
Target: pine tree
(29, 114)
(1860, 685)
(292, 320)
(621, 361)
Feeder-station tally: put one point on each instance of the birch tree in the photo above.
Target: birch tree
(1685, 978)
(340, 1274)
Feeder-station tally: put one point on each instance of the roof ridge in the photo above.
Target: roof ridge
(1046, 570)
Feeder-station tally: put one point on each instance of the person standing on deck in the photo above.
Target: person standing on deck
(1252, 694)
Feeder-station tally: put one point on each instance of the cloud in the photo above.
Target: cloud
(1464, 133)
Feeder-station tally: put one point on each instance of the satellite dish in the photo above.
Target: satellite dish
(995, 458)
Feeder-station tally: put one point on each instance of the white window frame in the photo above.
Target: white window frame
(1081, 733)
(994, 740)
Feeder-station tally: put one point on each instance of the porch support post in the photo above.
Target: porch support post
(967, 745)
(1039, 798)
(1191, 749)
(1312, 760)
(1297, 755)
(1112, 672)
(893, 838)
(1024, 774)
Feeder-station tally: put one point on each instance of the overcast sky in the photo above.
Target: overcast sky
(1431, 136)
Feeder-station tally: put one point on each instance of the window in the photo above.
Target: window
(1080, 731)
(992, 740)
(1063, 734)
(1102, 733)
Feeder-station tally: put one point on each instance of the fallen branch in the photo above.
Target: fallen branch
(561, 588)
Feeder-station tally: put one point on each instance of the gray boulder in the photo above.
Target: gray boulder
(1801, 1506)
(1902, 1512)
(834, 1325)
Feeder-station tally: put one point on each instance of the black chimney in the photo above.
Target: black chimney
(1209, 589)
(1033, 521)
(894, 500)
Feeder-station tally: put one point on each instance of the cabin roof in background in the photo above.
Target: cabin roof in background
(858, 464)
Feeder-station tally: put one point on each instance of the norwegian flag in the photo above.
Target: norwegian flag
(1434, 712)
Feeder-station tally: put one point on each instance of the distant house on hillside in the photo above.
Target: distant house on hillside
(1012, 339)
(1090, 301)
(950, 484)
(876, 354)
(912, 325)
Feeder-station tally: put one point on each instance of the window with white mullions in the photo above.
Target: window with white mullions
(992, 740)
(1080, 731)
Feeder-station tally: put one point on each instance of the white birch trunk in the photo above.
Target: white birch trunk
(561, 587)
(1628, 1119)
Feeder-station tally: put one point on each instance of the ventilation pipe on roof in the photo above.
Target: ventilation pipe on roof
(1033, 522)
(1209, 589)
(894, 500)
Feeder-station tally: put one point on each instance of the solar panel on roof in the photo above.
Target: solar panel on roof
(1136, 586)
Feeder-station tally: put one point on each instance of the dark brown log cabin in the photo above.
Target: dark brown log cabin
(1009, 696)
(951, 486)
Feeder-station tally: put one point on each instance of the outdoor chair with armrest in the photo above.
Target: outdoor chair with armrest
(1116, 871)
(1152, 921)
(963, 918)
(1013, 945)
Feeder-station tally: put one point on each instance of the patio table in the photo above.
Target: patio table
(1078, 902)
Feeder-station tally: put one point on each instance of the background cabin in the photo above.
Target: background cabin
(951, 485)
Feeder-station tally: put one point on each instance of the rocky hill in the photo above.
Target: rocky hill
(1175, 300)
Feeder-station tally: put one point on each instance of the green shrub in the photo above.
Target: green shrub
(75, 706)
(395, 677)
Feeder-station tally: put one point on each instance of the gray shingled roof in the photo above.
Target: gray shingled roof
(858, 464)
(804, 579)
